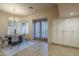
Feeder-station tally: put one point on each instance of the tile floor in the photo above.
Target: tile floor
(40, 48)
(59, 50)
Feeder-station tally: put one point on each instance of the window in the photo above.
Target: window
(20, 27)
(10, 26)
(25, 28)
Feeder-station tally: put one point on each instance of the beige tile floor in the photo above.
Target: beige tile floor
(59, 50)
(40, 48)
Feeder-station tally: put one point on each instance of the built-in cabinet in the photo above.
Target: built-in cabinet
(66, 31)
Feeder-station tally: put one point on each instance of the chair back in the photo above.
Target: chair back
(1, 39)
(14, 39)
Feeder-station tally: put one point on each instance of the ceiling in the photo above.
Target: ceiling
(23, 8)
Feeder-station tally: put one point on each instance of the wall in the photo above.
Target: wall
(50, 14)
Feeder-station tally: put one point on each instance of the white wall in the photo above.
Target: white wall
(66, 31)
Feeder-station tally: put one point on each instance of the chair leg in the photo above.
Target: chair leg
(2, 45)
(11, 46)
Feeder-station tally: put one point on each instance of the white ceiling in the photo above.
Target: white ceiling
(23, 8)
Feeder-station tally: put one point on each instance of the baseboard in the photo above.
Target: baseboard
(65, 45)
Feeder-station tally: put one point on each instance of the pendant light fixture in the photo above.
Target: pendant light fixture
(14, 18)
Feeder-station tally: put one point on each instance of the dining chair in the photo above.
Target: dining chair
(2, 41)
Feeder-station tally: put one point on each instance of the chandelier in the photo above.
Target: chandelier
(14, 17)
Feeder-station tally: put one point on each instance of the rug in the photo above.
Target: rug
(15, 49)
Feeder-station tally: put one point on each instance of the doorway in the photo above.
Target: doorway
(40, 29)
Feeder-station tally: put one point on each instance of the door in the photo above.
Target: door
(36, 30)
(44, 30)
(40, 29)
